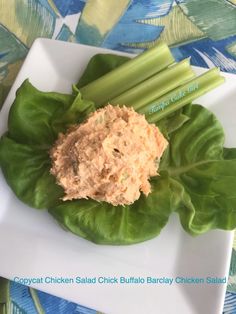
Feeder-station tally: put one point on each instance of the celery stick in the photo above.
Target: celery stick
(156, 86)
(181, 96)
(128, 75)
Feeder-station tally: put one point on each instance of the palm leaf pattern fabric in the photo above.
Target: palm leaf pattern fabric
(202, 29)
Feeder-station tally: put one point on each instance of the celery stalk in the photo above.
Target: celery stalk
(181, 96)
(156, 86)
(128, 75)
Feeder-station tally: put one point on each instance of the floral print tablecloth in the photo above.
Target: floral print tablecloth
(202, 29)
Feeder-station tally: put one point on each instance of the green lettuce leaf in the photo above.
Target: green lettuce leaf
(99, 65)
(203, 181)
(27, 171)
(106, 224)
(37, 117)
(197, 174)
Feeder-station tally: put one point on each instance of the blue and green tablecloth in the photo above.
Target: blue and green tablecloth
(202, 29)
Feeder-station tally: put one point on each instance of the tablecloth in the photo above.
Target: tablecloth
(202, 29)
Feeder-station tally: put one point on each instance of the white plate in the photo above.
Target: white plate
(33, 245)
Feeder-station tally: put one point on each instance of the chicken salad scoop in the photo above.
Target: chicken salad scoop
(110, 157)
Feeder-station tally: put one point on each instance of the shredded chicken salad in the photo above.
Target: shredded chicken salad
(110, 157)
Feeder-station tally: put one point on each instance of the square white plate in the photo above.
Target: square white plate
(33, 245)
